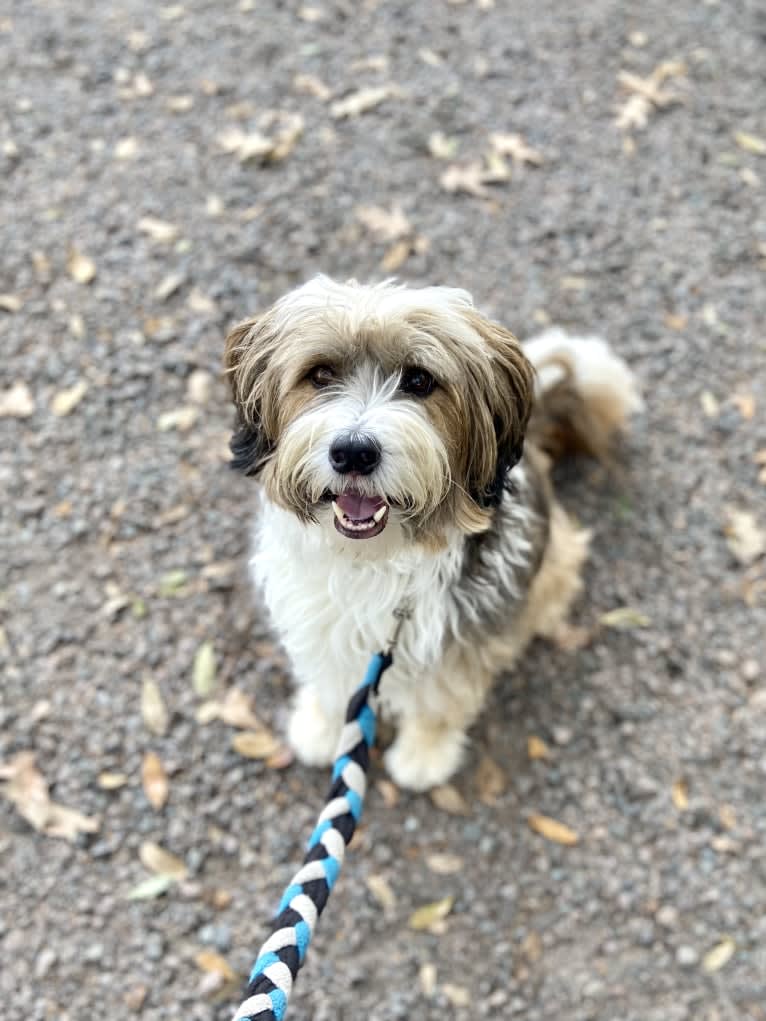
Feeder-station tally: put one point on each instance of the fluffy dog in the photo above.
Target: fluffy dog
(386, 426)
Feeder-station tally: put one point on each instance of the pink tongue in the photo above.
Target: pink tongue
(358, 507)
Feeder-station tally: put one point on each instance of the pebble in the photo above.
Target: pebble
(217, 935)
(44, 962)
(667, 917)
(687, 957)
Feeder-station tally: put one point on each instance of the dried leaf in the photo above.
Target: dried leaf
(458, 996)
(449, 799)
(552, 830)
(168, 286)
(624, 618)
(385, 224)
(148, 889)
(180, 419)
(204, 671)
(745, 539)
(515, 147)
(750, 143)
(537, 748)
(468, 179)
(361, 102)
(719, 956)
(180, 104)
(680, 795)
(158, 230)
(281, 759)
(210, 961)
(81, 268)
(154, 780)
(442, 147)
(710, 406)
(111, 781)
(381, 890)
(153, 710)
(66, 401)
(255, 146)
(444, 864)
(427, 978)
(10, 303)
(234, 709)
(389, 792)
(310, 85)
(172, 583)
(430, 914)
(157, 859)
(26, 788)
(396, 256)
(490, 781)
(256, 744)
(17, 402)
(745, 403)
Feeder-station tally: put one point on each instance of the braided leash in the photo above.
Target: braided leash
(283, 953)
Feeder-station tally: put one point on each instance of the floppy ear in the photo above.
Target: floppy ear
(501, 422)
(246, 358)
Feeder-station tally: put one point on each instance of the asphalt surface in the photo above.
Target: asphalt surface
(124, 535)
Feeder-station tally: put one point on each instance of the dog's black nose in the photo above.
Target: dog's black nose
(354, 453)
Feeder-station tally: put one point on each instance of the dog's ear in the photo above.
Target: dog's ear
(246, 358)
(500, 424)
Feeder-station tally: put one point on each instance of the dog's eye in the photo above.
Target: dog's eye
(417, 382)
(321, 375)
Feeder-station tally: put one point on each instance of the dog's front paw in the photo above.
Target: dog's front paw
(423, 757)
(312, 734)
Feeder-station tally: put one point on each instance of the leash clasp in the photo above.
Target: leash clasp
(402, 613)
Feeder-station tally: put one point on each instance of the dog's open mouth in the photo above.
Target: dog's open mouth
(359, 517)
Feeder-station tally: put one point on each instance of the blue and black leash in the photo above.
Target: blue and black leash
(281, 956)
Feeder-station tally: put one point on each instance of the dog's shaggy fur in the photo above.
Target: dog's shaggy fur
(456, 515)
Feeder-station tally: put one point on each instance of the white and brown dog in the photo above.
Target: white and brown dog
(386, 426)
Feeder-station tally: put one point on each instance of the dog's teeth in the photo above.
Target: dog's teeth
(378, 515)
(338, 512)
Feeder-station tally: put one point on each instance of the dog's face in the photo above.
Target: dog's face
(362, 405)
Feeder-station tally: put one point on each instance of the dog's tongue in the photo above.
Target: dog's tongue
(358, 507)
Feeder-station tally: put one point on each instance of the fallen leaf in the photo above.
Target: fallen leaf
(537, 748)
(172, 583)
(154, 780)
(750, 143)
(468, 178)
(728, 817)
(745, 403)
(710, 405)
(396, 256)
(515, 147)
(211, 961)
(180, 104)
(389, 792)
(234, 709)
(375, 62)
(381, 890)
(255, 744)
(111, 781)
(676, 321)
(10, 303)
(310, 85)
(745, 539)
(153, 710)
(441, 146)
(258, 147)
(361, 102)
(385, 224)
(158, 230)
(624, 618)
(429, 914)
(135, 998)
(680, 794)
(634, 113)
(148, 889)
(444, 864)
(490, 780)
(168, 286)
(719, 956)
(202, 303)
(427, 978)
(26, 788)
(281, 758)
(458, 996)
(204, 672)
(157, 859)
(449, 799)
(81, 267)
(180, 419)
(17, 402)
(552, 830)
(66, 401)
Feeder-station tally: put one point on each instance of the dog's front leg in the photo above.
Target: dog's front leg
(313, 732)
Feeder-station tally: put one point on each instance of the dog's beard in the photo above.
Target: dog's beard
(409, 485)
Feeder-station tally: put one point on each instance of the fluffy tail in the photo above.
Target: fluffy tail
(584, 394)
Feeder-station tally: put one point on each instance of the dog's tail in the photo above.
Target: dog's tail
(584, 394)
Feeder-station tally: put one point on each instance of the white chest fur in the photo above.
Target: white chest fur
(333, 605)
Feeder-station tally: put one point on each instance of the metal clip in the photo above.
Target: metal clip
(402, 613)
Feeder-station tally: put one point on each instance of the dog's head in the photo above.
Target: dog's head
(364, 404)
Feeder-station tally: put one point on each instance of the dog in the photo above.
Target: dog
(403, 445)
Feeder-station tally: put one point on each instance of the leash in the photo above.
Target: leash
(281, 956)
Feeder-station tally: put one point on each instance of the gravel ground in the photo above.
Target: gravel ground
(124, 535)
